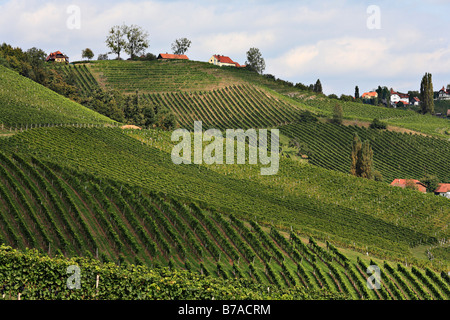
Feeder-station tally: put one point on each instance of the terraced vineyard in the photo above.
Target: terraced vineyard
(412, 120)
(155, 76)
(396, 155)
(296, 196)
(83, 77)
(241, 106)
(25, 103)
(66, 213)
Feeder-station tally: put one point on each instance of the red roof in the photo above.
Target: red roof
(172, 56)
(369, 94)
(402, 183)
(443, 188)
(224, 59)
(56, 54)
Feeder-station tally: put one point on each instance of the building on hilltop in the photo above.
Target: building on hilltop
(57, 56)
(443, 190)
(369, 95)
(168, 56)
(396, 97)
(220, 61)
(402, 183)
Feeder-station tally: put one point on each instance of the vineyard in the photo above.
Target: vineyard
(396, 155)
(64, 213)
(408, 119)
(241, 106)
(25, 103)
(81, 74)
(297, 196)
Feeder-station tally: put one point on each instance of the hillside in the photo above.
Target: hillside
(24, 103)
(63, 212)
(395, 154)
(299, 195)
(186, 87)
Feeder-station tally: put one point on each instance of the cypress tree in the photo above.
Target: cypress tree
(356, 92)
(366, 164)
(356, 147)
(426, 94)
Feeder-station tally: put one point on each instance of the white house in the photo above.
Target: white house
(396, 97)
(443, 190)
(444, 94)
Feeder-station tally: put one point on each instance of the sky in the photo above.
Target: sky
(344, 43)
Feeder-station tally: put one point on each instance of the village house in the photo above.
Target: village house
(443, 190)
(220, 61)
(443, 94)
(168, 56)
(396, 97)
(369, 95)
(57, 57)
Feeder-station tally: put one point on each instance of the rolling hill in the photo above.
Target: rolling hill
(24, 103)
(114, 196)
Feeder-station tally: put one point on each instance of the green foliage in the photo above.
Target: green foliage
(431, 182)
(377, 124)
(180, 46)
(427, 94)
(23, 102)
(255, 60)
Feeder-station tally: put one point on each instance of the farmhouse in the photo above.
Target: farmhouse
(443, 190)
(57, 56)
(443, 94)
(402, 183)
(396, 97)
(168, 56)
(369, 95)
(219, 60)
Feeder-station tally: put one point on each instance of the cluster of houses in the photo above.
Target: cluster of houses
(442, 190)
(396, 98)
(217, 59)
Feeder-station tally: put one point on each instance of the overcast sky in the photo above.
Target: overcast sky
(342, 43)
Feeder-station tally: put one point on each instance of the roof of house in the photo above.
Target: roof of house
(224, 59)
(416, 99)
(56, 54)
(172, 56)
(370, 94)
(443, 188)
(445, 90)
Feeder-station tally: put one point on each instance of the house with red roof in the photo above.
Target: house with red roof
(396, 97)
(369, 95)
(444, 94)
(403, 182)
(219, 60)
(168, 56)
(57, 56)
(443, 190)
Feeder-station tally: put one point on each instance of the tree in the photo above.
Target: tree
(362, 159)
(115, 39)
(137, 40)
(431, 182)
(366, 156)
(338, 114)
(180, 46)
(318, 87)
(102, 56)
(255, 61)
(426, 94)
(87, 53)
(377, 124)
(356, 92)
(411, 184)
